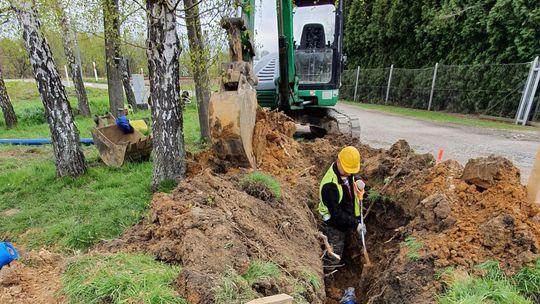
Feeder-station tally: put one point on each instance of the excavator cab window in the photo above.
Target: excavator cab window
(315, 28)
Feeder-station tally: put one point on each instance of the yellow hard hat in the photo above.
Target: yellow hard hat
(349, 158)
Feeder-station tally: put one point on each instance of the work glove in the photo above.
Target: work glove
(361, 229)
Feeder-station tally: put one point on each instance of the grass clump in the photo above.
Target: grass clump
(235, 288)
(494, 286)
(262, 186)
(120, 278)
(413, 246)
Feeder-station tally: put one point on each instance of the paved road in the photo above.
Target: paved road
(461, 143)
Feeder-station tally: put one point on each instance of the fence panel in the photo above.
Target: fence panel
(489, 89)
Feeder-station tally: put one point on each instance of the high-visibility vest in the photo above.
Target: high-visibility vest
(331, 177)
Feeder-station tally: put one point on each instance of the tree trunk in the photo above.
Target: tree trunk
(74, 65)
(5, 104)
(199, 59)
(126, 80)
(112, 55)
(65, 136)
(163, 52)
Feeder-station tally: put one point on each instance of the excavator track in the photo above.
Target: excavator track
(347, 124)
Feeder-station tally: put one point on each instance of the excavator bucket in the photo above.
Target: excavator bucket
(115, 147)
(232, 116)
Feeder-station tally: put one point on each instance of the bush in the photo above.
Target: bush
(261, 186)
(33, 116)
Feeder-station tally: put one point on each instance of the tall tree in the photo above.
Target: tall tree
(126, 81)
(111, 25)
(199, 60)
(5, 104)
(65, 136)
(69, 41)
(163, 50)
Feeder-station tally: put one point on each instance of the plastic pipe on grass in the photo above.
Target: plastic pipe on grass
(38, 141)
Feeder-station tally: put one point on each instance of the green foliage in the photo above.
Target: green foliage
(420, 33)
(120, 278)
(413, 246)
(494, 286)
(261, 185)
(373, 195)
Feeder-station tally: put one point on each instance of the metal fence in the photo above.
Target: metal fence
(500, 90)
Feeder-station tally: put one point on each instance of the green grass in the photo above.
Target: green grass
(441, 117)
(234, 288)
(494, 286)
(69, 214)
(120, 278)
(261, 185)
(413, 246)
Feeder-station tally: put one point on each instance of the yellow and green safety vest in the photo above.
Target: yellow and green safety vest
(331, 177)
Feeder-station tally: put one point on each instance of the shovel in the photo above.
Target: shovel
(367, 261)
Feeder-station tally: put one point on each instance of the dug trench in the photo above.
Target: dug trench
(425, 217)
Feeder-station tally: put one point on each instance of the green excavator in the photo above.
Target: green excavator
(302, 79)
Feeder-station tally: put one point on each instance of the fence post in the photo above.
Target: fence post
(95, 71)
(356, 85)
(67, 75)
(433, 86)
(529, 93)
(389, 82)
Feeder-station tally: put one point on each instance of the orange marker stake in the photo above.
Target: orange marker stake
(440, 156)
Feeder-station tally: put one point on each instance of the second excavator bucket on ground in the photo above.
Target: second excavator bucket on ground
(232, 116)
(115, 147)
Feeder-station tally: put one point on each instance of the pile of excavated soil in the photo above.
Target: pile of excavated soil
(460, 216)
(35, 278)
(208, 225)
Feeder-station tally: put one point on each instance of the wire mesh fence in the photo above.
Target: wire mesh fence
(489, 89)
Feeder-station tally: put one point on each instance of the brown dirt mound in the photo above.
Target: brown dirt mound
(209, 225)
(460, 216)
(34, 278)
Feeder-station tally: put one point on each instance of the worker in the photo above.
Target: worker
(339, 203)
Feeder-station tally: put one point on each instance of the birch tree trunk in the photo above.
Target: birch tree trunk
(5, 104)
(163, 50)
(126, 80)
(199, 58)
(75, 71)
(65, 136)
(111, 25)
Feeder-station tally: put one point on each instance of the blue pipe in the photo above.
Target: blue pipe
(38, 141)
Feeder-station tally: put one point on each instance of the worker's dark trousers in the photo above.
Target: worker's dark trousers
(336, 238)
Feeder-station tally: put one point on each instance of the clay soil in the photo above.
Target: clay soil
(462, 216)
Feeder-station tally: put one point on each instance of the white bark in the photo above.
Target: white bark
(163, 50)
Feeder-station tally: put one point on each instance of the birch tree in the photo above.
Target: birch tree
(199, 60)
(65, 136)
(111, 24)
(5, 104)
(69, 42)
(163, 50)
